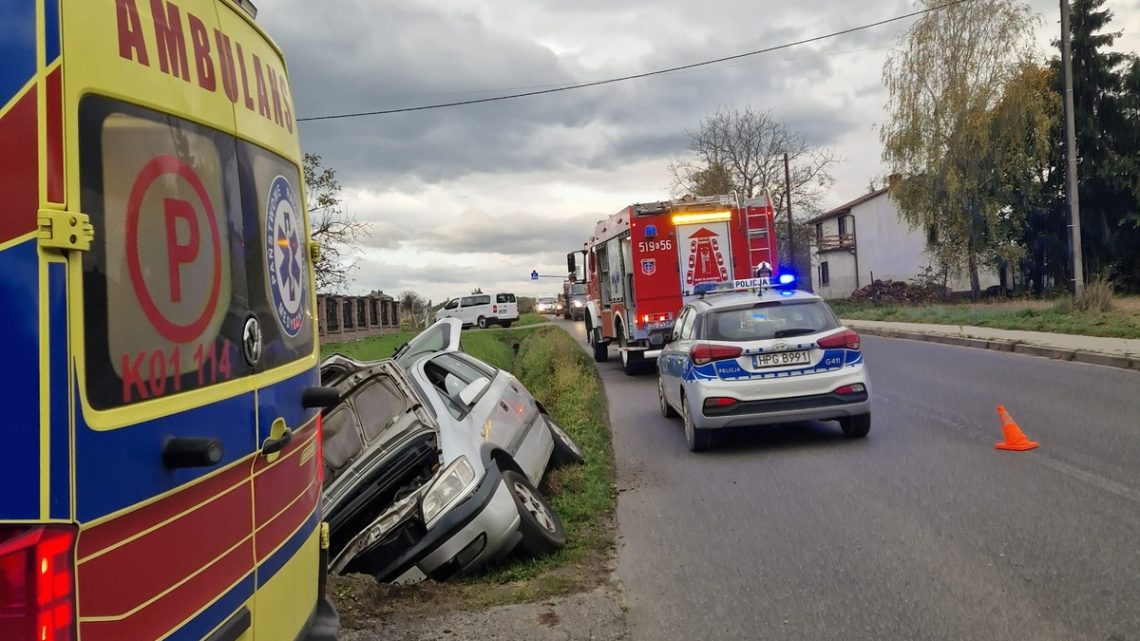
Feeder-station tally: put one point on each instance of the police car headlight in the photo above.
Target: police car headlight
(456, 482)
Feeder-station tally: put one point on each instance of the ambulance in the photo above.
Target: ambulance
(161, 461)
(645, 262)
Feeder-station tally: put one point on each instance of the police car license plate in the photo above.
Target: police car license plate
(782, 359)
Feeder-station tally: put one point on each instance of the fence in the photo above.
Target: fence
(343, 318)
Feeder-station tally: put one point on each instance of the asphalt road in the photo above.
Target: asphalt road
(921, 531)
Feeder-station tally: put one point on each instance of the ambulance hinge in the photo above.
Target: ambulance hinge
(65, 230)
(324, 535)
(314, 252)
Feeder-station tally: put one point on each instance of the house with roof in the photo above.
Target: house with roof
(866, 240)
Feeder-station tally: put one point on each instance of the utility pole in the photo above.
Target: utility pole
(1071, 152)
(791, 227)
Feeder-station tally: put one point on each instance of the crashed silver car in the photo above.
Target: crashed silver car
(432, 460)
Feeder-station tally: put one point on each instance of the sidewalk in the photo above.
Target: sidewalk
(1111, 352)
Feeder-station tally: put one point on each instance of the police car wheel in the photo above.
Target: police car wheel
(697, 439)
(666, 409)
(856, 426)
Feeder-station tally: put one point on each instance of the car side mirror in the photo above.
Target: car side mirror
(476, 387)
(571, 264)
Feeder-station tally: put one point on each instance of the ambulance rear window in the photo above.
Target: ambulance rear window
(200, 246)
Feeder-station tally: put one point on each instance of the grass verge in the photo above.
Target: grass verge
(562, 377)
(1122, 321)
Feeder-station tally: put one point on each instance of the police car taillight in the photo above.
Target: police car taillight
(846, 339)
(37, 583)
(702, 353)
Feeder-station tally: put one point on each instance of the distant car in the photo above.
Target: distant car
(481, 310)
(575, 306)
(762, 357)
(545, 305)
(432, 462)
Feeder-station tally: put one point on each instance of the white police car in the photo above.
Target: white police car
(760, 356)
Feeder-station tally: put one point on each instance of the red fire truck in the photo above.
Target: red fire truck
(643, 263)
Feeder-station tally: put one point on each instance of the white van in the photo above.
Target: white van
(481, 310)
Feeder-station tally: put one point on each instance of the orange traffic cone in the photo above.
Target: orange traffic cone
(1015, 439)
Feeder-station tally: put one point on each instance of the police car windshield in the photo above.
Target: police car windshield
(767, 321)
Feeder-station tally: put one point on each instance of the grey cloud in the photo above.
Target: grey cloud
(514, 234)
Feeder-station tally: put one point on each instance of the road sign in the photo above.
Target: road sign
(534, 275)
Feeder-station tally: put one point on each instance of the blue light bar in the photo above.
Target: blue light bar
(787, 279)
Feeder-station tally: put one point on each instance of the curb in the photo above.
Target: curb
(1052, 353)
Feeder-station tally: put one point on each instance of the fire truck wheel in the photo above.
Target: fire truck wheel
(631, 361)
(601, 349)
(482, 322)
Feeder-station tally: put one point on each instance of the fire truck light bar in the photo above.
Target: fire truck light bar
(709, 217)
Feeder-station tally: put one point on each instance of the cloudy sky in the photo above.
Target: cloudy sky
(480, 196)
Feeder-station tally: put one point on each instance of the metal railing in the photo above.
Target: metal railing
(842, 241)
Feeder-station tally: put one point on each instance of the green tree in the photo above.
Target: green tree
(338, 232)
(1106, 115)
(1025, 129)
(945, 81)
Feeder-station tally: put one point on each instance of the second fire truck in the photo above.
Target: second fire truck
(644, 262)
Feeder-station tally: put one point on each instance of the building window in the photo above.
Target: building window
(819, 234)
(843, 225)
(824, 274)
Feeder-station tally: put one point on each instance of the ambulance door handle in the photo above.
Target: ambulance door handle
(275, 445)
(182, 452)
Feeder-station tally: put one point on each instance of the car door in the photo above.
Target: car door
(678, 356)
(443, 336)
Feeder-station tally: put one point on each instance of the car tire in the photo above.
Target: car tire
(697, 439)
(856, 426)
(566, 451)
(541, 529)
(666, 409)
(482, 322)
(507, 324)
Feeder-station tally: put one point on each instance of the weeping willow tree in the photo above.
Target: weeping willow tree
(945, 80)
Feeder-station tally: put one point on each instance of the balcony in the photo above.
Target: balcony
(833, 243)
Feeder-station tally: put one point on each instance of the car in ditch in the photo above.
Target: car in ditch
(432, 460)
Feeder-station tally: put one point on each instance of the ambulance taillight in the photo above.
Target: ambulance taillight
(37, 583)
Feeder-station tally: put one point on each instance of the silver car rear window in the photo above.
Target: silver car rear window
(766, 321)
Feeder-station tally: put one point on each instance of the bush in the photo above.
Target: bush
(1098, 296)
(887, 292)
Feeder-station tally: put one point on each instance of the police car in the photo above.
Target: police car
(760, 354)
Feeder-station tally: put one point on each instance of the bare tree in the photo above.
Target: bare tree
(337, 231)
(743, 151)
(413, 306)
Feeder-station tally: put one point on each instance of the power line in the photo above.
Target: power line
(646, 74)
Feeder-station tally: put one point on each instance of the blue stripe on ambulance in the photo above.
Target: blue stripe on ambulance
(51, 30)
(60, 434)
(280, 400)
(287, 552)
(217, 613)
(20, 430)
(17, 50)
(108, 472)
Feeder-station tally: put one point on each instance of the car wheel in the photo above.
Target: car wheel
(566, 451)
(540, 527)
(666, 409)
(482, 322)
(856, 426)
(507, 324)
(697, 439)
